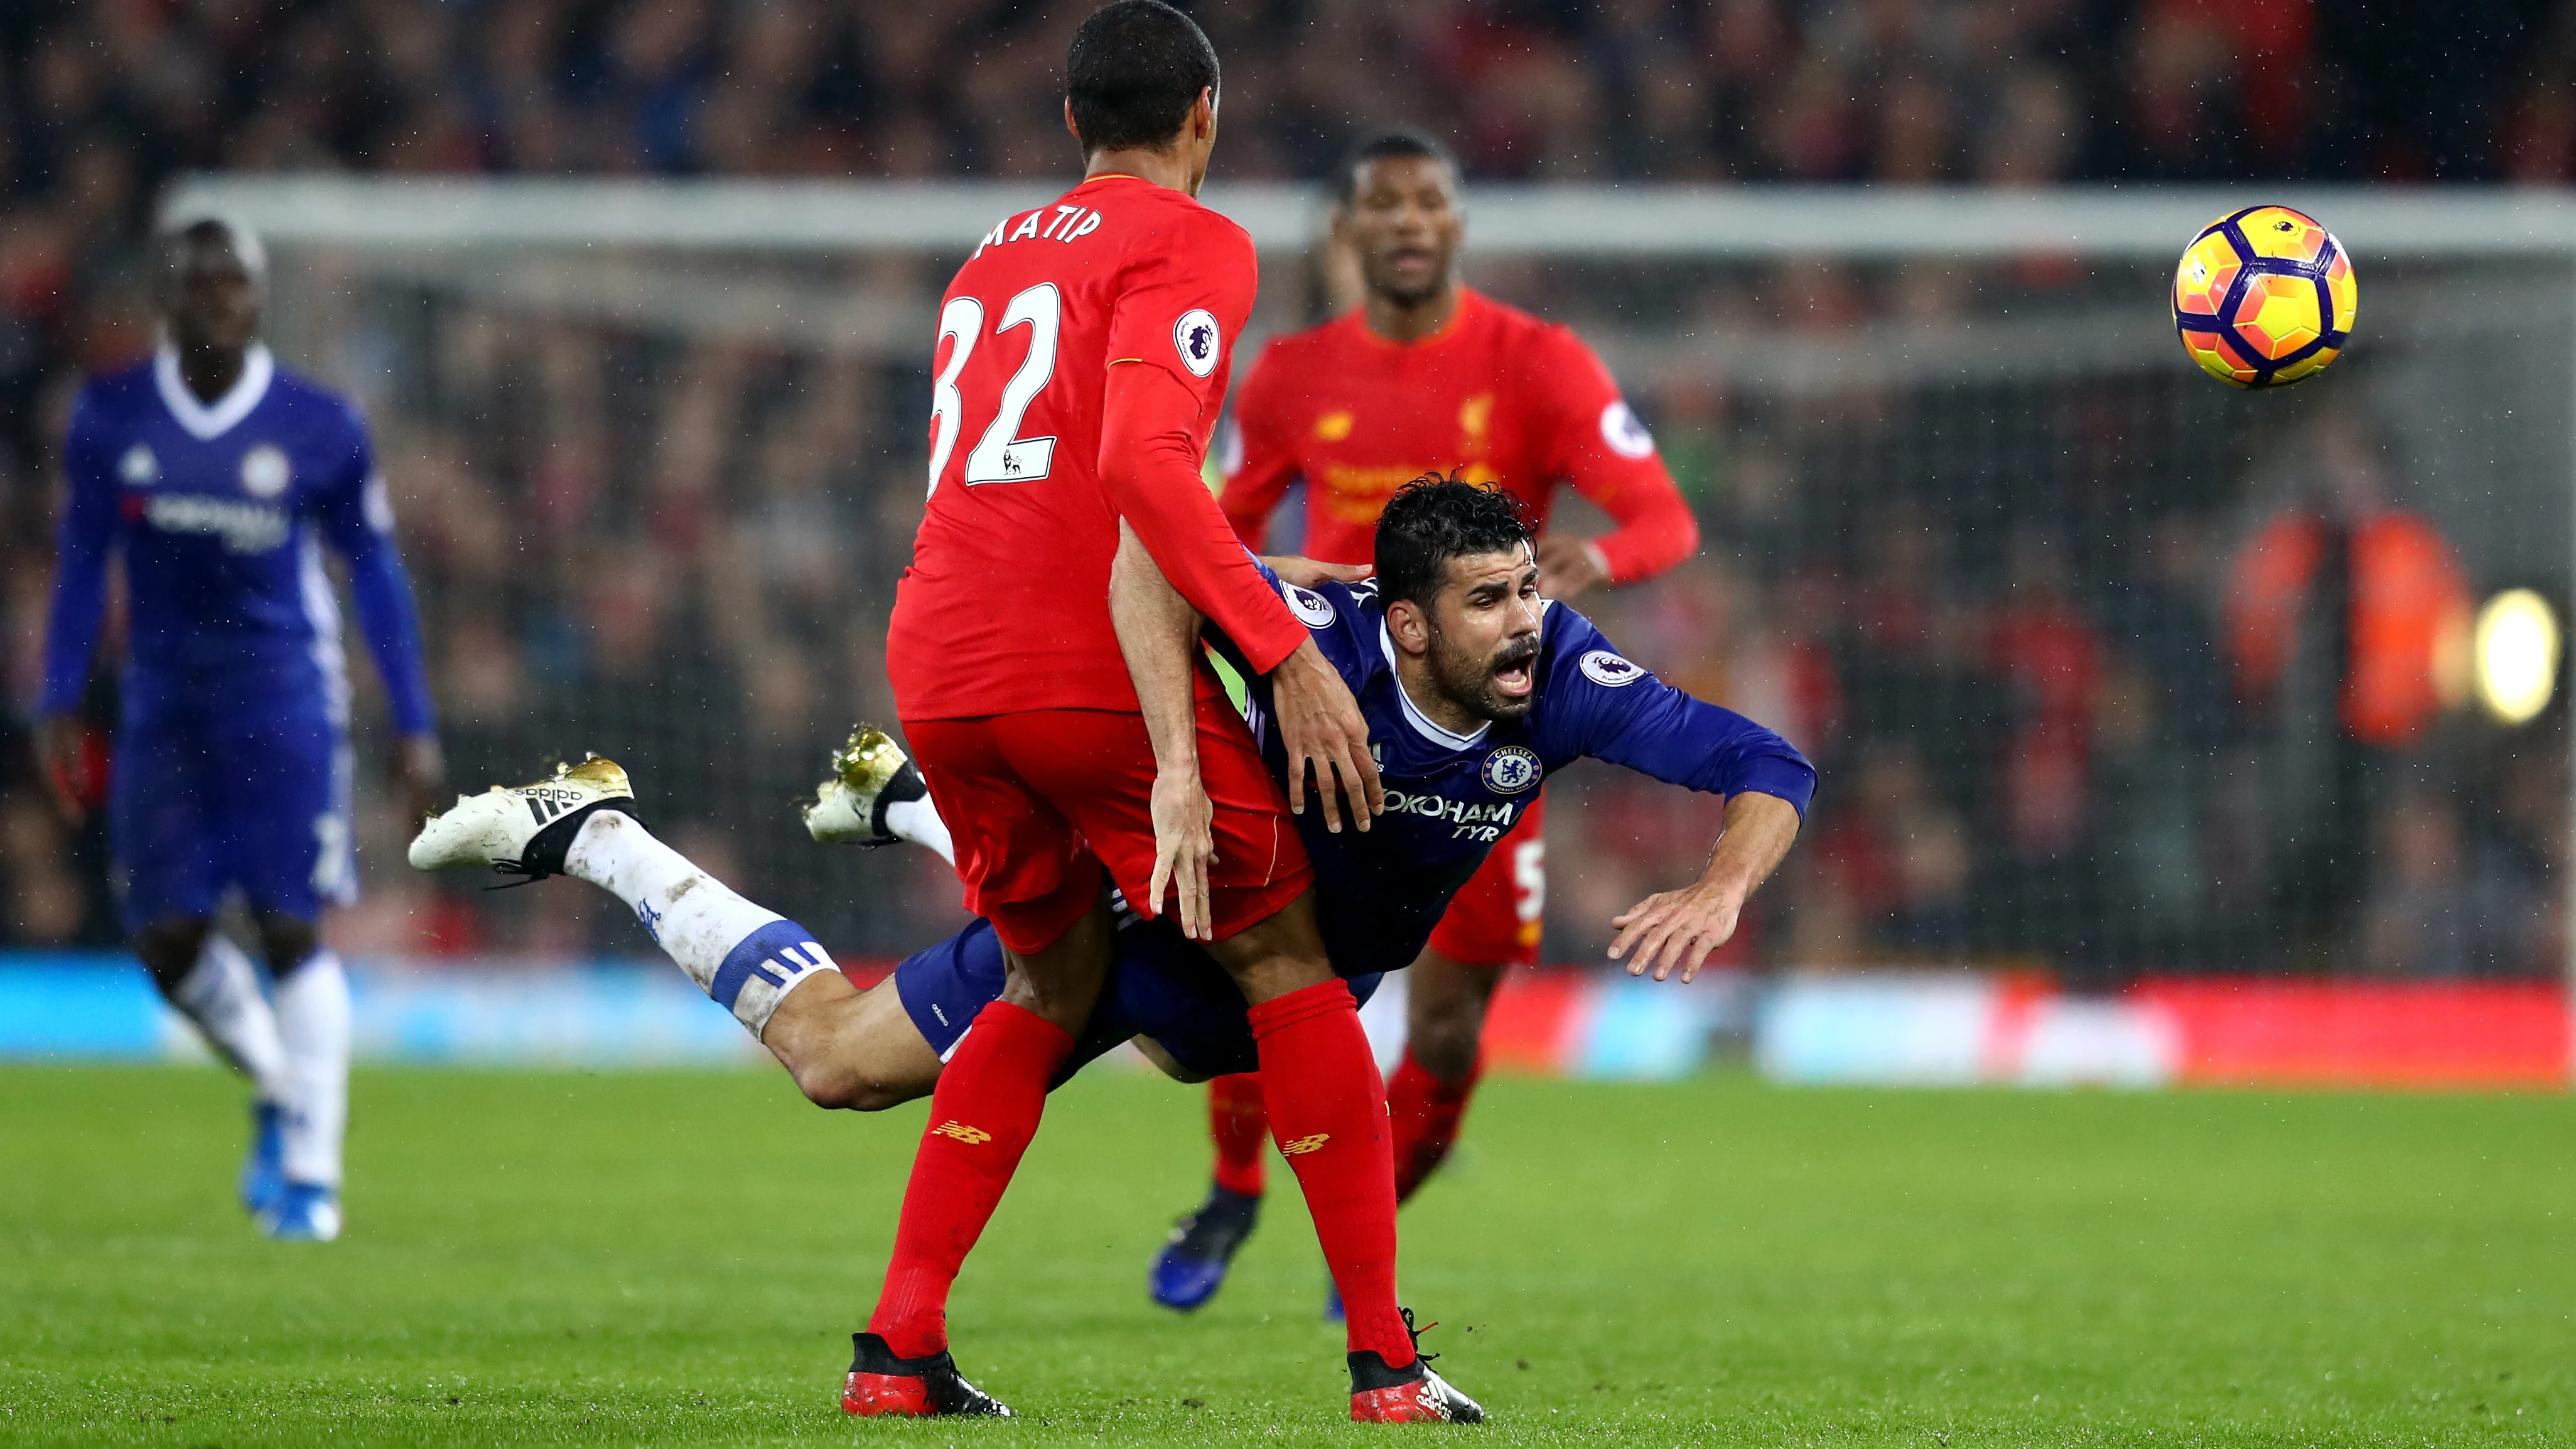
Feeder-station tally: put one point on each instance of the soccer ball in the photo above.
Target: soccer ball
(2264, 297)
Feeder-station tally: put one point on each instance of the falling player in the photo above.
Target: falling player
(1478, 690)
(218, 475)
(1427, 373)
(1082, 356)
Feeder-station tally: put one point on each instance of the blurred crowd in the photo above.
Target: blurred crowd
(2026, 686)
(2088, 700)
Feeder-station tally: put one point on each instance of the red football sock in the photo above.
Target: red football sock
(1328, 1109)
(1425, 1112)
(982, 1115)
(1241, 1127)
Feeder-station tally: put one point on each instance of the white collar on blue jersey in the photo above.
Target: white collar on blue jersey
(205, 422)
(1423, 724)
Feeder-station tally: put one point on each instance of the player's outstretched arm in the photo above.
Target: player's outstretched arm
(1680, 928)
(1609, 709)
(1157, 629)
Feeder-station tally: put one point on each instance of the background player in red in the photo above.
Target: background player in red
(1426, 375)
(1082, 357)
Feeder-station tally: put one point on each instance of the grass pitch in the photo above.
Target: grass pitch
(680, 1258)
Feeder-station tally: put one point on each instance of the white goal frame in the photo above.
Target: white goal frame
(454, 218)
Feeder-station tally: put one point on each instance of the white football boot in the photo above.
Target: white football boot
(523, 831)
(869, 772)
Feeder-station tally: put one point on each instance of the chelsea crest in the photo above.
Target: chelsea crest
(1510, 770)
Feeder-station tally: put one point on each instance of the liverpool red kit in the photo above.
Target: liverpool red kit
(1001, 625)
(1497, 396)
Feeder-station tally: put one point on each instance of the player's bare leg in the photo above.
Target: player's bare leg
(850, 1048)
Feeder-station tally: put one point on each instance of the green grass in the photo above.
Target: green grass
(679, 1258)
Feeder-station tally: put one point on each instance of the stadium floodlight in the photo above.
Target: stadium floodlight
(1839, 363)
(2517, 656)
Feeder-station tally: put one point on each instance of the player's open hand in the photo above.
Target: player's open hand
(1184, 843)
(1325, 733)
(1305, 573)
(1676, 928)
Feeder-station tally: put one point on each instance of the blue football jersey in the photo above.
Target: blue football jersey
(1450, 796)
(220, 511)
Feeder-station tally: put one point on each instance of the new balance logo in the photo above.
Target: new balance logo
(959, 1131)
(1303, 1145)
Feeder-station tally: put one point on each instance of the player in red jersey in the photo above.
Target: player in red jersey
(1426, 376)
(1082, 357)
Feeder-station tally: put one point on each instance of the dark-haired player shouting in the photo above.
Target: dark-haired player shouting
(1427, 374)
(1478, 690)
(1082, 357)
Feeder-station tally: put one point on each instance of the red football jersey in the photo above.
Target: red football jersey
(1006, 605)
(1497, 395)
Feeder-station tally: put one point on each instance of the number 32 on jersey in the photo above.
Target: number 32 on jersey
(1000, 455)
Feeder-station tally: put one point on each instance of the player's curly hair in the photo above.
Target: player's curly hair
(1132, 73)
(1435, 518)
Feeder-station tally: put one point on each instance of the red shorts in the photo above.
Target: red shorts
(1040, 801)
(1494, 918)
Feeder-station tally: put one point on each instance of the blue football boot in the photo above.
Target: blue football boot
(306, 1212)
(1333, 1302)
(263, 1169)
(1192, 1264)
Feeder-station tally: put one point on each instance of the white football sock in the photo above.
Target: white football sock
(221, 995)
(918, 821)
(745, 957)
(313, 1021)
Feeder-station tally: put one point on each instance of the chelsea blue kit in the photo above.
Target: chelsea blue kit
(232, 755)
(1450, 796)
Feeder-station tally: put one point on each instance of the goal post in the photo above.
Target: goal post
(1979, 533)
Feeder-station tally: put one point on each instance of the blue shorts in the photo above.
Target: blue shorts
(204, 800)
(1160, 986)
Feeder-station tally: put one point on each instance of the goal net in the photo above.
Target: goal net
(2109, 669)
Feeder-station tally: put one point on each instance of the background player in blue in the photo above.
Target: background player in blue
(1475, 688)
(217, 475)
